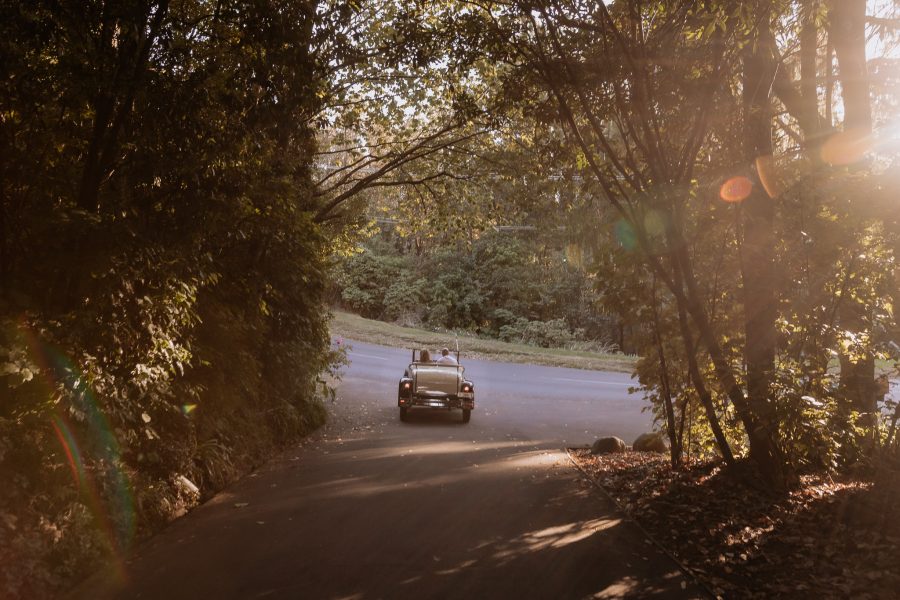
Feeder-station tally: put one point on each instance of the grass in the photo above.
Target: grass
(360, 329)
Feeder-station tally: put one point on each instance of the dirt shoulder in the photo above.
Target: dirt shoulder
(826, 539)
(377, 332)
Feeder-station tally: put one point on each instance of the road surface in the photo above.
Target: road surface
(371, 507)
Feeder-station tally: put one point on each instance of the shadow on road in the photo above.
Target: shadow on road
(407, 515)
(434, 418)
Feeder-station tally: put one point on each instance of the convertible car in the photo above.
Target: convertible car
(435, 386)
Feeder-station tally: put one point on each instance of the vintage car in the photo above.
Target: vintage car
(435, 385)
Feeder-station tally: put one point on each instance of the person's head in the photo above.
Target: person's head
(445, 352)
(425, 356)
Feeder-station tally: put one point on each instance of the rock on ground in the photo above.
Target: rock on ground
(608, 445)
(651, 442)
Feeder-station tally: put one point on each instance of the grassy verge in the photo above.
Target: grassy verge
(355, 327)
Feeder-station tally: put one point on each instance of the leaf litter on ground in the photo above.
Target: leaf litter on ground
(826, 538)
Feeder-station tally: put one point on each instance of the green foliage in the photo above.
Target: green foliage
(547, 334)
(372, 284)
(161, 273)
(503, 287)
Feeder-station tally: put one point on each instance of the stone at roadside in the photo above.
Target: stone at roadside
(651, 442)
(608, 445)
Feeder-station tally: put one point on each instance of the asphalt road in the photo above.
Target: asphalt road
(550, 406)
(371, 507)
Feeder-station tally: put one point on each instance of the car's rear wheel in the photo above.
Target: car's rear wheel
(467, 415)
(403, 413)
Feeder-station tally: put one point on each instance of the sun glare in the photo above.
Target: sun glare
(846, 147)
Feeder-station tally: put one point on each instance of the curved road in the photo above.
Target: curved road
(370, 507)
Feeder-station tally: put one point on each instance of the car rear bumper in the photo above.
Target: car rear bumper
(463, 401)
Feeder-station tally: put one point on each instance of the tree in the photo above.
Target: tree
(757, 244)
(162, 272)
(639, 169)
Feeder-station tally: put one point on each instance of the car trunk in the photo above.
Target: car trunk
(437, 381)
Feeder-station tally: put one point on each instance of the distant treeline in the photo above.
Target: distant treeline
(502, 285)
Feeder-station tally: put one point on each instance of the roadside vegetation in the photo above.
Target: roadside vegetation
(162, 315)
(187, 186)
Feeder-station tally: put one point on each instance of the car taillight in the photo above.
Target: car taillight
(406, 386)
(466, 387)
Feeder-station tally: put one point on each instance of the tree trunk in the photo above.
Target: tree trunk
(4, 241)
(810, 122)
(803, 105)
(757, 253)
(92, 173)
(847, 33)
(674, 442)
(764, 449)
(829, 85)
(703, 393)
(115, 100)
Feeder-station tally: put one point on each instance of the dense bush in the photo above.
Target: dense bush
(162, 320)
(505, 287)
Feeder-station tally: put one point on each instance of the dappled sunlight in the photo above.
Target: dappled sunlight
(430, 448)
(458, 568)
(366, 486)
(223, 497)
(624, 586)
(554, 537)
(525, 460)
(363, 487)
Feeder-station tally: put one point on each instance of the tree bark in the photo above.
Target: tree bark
(847, 33)
(4, 241)
(703, 393)
(810, 121)
(757, 252)
(674, 442)
(803, 103)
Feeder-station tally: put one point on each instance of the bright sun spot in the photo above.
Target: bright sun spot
(846, 147)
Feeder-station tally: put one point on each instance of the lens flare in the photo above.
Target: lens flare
(768, 175)
(109, 524)
(625, 234)
(187, 409)
(655, 223)
(91, 450)
(736, 189)
(846, 147)
(70, 447)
